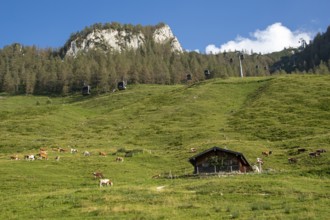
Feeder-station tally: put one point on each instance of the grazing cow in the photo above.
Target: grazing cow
(314, 154)
(260, 161)
(120, 159)
(292, 160)
(61, 150)
(106, 182)
(57, 158)
(156, 176)
(193, 150)
(74, 150)
(301, 150)
(42, 156)
(42, 152)
(86, 153)
(102, 154)
(14, 157)
(29, 157)
(98, 175)
(266, 153)
(320, 151)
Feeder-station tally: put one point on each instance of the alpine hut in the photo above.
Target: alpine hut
(217, 159)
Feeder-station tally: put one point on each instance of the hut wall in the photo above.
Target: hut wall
(226, 163)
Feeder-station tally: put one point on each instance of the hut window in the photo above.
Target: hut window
(205, 164)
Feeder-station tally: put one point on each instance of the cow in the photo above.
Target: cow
(320, 151)
(86, 153)
(57, 158)
(156, 176)
(260, 161)
(74, 150)
(193, 150)
(55, 149)
(61, 150)
(266, 153)
(314, 154)
(42, 156)
(97, 175)
(120, 159)
(29, 157)
(42, 152)
(102, 154)
(14, 157)
(292, 160)
(301, 150)
(106, 182)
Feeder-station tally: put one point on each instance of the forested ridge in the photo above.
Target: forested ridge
(47, 71)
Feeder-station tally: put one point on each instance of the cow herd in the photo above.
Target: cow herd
(43, 155)
(300, 150)
(291, 160)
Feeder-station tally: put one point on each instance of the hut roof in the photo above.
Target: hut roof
(215, 148)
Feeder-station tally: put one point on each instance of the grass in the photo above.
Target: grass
(157, 125)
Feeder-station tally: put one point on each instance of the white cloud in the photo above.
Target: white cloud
(274, 38)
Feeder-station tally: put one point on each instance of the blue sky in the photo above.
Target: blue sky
(198, 24)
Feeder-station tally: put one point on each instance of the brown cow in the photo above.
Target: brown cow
(61, 150)
(156, 176)
(55, 149)
(42, 152)
(301, 150)
(321, 151)
(314, 154)
(292, 160)
(42, 156)
(266, 153)
(102, 154)
(97, 175)
(14, 157)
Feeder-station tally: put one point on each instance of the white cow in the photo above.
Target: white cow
(74, 150)
(29, 157)
(86, 153)
(106, 182)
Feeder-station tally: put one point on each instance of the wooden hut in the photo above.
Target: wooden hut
(217, 159)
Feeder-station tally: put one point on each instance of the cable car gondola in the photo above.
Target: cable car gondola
(121, 85)
(86, 90)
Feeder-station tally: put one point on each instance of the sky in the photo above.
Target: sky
(206, 26)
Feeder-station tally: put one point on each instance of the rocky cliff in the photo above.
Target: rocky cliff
(114, 38)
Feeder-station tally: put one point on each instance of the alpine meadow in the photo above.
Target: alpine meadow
(123, 123)
(155, 126)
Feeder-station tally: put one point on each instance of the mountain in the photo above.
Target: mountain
(117, 37)
(312, 57)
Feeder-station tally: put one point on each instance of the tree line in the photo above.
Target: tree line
(31, 70)
(309, 58)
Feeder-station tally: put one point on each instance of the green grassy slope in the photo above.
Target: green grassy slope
(161, 124)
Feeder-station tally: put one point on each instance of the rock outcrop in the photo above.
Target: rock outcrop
(119, 40)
